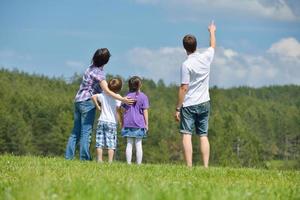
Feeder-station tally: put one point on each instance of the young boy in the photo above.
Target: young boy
(106, 134)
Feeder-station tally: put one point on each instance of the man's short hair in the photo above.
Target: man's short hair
(115, 84)
(189, 43)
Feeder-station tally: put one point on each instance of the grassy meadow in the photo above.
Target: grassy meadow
(30, 177)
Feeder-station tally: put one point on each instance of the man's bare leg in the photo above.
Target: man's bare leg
(204, 148)
(188, 149)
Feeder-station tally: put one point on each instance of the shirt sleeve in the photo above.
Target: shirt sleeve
(145, 103)
(98, 74)
(118, 103)
(209, 55)
(185, 74)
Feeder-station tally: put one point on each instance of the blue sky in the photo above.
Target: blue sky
(258, 40)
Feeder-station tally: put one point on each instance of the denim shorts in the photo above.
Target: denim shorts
(195, 117)
(134, 132)
(106, 135)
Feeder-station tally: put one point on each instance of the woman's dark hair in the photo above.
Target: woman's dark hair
(189, 43)
(134, 83)
(115, 84)
(101, 57)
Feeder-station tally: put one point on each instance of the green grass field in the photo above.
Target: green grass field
(55, 178)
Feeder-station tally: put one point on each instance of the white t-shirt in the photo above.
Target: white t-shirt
(195, 72)
(108, 108)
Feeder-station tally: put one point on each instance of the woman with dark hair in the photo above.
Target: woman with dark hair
(93, 81)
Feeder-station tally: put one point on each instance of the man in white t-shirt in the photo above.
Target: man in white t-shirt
(106, 133)
(193, 104)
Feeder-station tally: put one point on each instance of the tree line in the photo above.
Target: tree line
(247, 127)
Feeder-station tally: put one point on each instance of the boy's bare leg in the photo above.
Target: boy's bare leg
(188, 150)
(99, 154)
(110, 155)
(204, 148)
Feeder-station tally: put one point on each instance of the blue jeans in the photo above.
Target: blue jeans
(84, 116)
(195, 117)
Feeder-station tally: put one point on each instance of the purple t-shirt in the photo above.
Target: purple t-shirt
(134, 115)
(90, 83)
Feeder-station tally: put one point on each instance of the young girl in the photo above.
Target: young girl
(135, 119)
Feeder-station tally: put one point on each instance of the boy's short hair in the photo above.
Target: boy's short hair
(189, 43)
(101, 57)
(115, 84)
(134, 83)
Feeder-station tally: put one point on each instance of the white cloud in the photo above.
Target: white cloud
(276, 9)
(228, 69)
(243, 69)
(270, 68)
(229, 53)
(286, 48)
(160, 63)
(76, 65)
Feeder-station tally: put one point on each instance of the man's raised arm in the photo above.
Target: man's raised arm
(212, 30)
